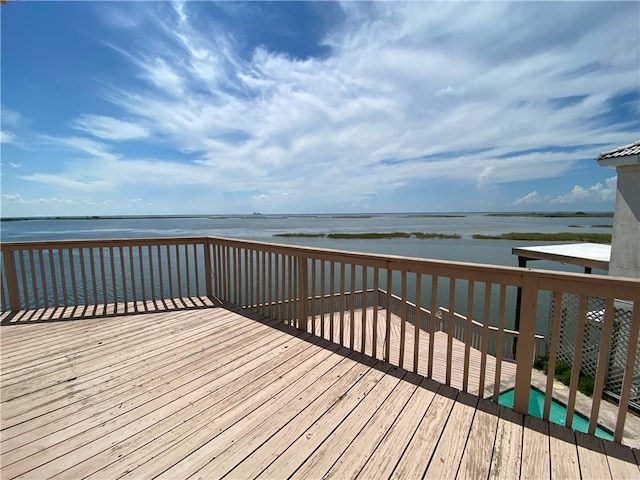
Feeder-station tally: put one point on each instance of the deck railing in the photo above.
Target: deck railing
(302, 286)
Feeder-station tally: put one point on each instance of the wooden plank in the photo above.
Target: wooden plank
(535, 449)
(102, 396)
(321, 460)
(426, 435)
(258, 445)
(194, 462)
(592, 457)
(384, 459)
(480, 444)
(49, 399)
(450, 447)
(59, 451)
(60, 370)
(289, 461)
(214, 422)
(622, 462)
(563, 452)
(49, 355)
(507, 449)
(365, 443)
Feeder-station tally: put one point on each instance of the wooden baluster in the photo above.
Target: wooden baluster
(603, 360)
(577, 358)
(332, 293)
(485, 337)
(524, 351)
(432, 323)
(502, 299)
(322, 301)
(387, 335)
(343, 303)
(417, 322)
(114, 285)
(376, 306)
(632, 350)
(123, 278)
(151, 273)
(74, 285)
(363, 341)
(468, 326)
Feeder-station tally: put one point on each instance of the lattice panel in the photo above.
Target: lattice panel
(591, 345)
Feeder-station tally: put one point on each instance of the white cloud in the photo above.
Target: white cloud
(11, 118)
(93, 148)
(14, 165)
(450, 91)
(595, 193)
(532, 198)
(7, 137)
(16, 198)
(66, 182)
(109, 128)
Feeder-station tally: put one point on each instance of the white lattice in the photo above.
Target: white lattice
(593, 342)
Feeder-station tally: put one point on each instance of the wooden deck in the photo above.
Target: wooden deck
(215, 392)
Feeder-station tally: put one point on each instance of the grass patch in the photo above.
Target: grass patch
(602, 225)
(560, 237)
(551, 214)
(369, 235)
(563, 374)
(573, 225)
(352, 216)
(433, 215)
(300, 235)
(426, 236)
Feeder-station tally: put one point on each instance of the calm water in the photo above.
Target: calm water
(263, 228)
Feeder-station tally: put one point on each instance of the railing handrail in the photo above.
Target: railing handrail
(475, 323)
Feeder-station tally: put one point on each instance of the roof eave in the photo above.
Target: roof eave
(615, 162)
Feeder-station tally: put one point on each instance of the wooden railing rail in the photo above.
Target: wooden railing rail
(326, 292)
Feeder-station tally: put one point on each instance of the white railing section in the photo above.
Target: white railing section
(305, 286)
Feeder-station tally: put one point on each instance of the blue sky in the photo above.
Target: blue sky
(199, 107)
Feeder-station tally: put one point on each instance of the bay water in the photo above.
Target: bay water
(265, 227)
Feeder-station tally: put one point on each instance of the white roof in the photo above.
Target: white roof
(594, 255)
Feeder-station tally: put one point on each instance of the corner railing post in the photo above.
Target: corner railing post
(526, 344)
(8, 258)
(302, 293)
(208, 271)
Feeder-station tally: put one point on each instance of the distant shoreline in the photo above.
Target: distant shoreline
(328, 215)
(521, 236)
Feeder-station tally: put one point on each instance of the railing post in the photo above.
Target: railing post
(526, 344)
(208, 271)
(8, 257)
(303, 319)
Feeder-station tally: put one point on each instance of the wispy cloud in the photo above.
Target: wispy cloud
(84, 145)
(109, 128)
(7, 137)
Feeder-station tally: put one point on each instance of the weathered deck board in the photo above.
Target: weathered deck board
(213, 392)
